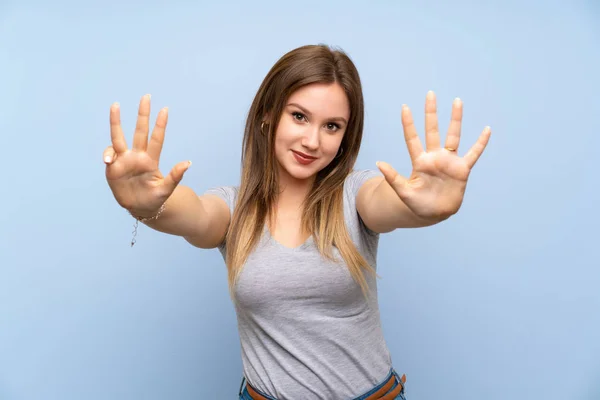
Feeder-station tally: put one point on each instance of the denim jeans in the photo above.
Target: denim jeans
(244, 395)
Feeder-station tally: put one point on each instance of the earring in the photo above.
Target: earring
(262, 125)
(340, 152)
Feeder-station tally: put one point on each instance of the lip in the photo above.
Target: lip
(302, 158)
(304, 155)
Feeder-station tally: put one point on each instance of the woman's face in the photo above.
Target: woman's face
(310, 131)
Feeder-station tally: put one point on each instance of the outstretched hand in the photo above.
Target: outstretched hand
(133, 174)
(436, 186)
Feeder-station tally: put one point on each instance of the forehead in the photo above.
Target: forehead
(323, 99)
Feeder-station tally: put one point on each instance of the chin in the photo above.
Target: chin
(300, 172)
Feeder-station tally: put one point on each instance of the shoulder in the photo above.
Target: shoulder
(356, 227)
(227, 193)
(357, 178)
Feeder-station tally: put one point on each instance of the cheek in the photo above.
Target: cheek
(289, 130)
(284, 137)
(287, 134)
(332, 144)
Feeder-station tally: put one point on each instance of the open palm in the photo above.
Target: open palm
(133, 174)
(436, 186)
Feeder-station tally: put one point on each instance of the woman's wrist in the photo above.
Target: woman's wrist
(143, 216)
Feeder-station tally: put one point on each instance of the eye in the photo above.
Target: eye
(298, 116)
(332, 126)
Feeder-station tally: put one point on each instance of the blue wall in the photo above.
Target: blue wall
(501, 301)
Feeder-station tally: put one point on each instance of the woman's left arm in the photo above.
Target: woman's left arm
(435, 189)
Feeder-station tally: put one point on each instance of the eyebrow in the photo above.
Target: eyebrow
(305, 111)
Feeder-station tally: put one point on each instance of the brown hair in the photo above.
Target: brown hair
(322, 215)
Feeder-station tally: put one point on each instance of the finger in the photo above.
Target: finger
(477, 149)
(432, 133)
(413, 143)
(396, 181)
(140, 137)
(116, 132)
(176, 175)
(158, 134)
(453, 137)
(109, 156)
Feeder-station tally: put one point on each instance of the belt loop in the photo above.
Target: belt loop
(242, 385)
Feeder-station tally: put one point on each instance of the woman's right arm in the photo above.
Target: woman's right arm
(201, 220)
(137, 184)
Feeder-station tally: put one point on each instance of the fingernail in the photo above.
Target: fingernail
(457, 101)
(149, 96)
(430, 94)
(116, 105)
(107, 159)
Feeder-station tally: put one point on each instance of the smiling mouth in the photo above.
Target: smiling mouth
(305, 156)
(302, 158)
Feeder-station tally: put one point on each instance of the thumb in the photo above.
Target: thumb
(395, 180)
(176, 175)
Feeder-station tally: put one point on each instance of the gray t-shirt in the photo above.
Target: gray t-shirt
(306, 330)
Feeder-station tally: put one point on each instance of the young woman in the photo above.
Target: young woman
(299, 234)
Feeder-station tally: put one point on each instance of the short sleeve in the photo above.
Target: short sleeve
(364, 237)
(229, 195)
(356, 179)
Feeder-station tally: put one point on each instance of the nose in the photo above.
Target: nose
(310, 139)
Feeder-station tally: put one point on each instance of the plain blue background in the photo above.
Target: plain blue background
(500, 302)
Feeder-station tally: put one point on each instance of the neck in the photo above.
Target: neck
(292, 193)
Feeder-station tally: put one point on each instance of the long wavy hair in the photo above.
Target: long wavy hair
(322, 215)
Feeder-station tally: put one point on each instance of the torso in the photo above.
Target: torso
(306, 330)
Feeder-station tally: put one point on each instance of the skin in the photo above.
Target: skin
(433, 191)
(313, 122)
